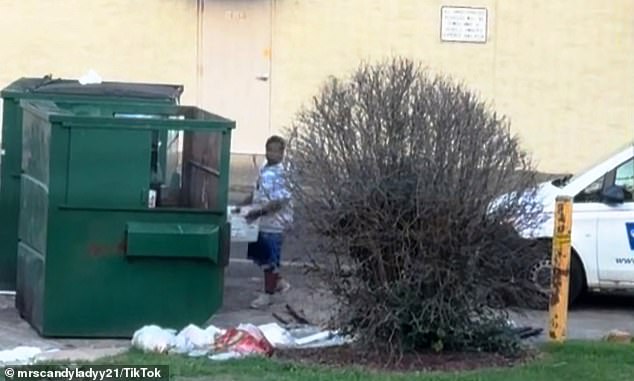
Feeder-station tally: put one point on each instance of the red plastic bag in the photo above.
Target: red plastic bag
(245, 339)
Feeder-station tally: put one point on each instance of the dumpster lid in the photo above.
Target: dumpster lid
(48, 85)
(165, 115)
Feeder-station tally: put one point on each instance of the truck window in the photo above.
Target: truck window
(592, 193)
(625, 178)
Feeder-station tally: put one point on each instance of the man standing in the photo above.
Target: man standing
(272, 206)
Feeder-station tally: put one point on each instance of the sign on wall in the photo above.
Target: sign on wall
(463, 24)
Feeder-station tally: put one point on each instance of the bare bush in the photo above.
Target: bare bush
(394, 172)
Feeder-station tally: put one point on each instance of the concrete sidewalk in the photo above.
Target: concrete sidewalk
(14, 332)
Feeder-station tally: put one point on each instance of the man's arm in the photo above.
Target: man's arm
(278, 195)
(274, 206)
(269, 208)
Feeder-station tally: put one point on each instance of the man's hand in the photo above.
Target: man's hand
(254, 215)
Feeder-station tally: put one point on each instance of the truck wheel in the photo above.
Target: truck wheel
(541, 272)
(577, 280)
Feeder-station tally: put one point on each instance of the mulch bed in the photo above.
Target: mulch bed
(347, 356)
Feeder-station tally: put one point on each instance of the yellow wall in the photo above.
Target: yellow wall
(140, 40)
(563, 71)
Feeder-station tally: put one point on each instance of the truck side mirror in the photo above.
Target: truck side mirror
(613, 195)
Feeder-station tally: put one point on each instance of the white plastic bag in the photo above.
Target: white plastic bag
(193, 339)
(181, 346)
(197, 337)
(215, 331)
(152, 338)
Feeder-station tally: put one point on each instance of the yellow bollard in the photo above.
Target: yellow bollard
(561, 269)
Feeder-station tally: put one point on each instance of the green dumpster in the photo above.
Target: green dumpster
(103, 249)
(61, 89)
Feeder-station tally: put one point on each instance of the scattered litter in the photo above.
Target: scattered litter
(313, 337)
(21, 355)
(236, 342)
(321, 336)
(304, 330)
(227, 356)
(276, 335)
(618, 336)
(331, 341)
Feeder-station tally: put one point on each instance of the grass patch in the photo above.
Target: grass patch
(574, 361)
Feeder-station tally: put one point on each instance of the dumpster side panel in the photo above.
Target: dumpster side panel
(29, 298)
(35, 182)
(33, 219)
(9, 192)
(33, 214)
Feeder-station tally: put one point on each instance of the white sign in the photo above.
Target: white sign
(463, 24)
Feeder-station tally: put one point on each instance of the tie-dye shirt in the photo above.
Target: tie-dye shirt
(272, 186)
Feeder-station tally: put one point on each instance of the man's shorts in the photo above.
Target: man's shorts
(266, 252)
